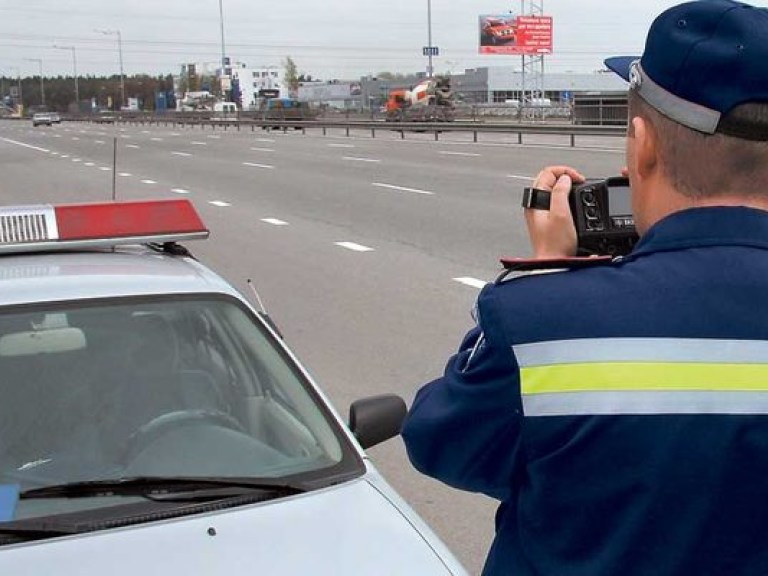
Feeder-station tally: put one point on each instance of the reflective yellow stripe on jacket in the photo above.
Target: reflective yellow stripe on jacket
(643, 376)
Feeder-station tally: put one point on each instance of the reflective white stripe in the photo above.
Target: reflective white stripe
(587, 350)
(661, 402)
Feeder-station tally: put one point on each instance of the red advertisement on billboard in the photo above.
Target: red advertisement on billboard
(506, 34)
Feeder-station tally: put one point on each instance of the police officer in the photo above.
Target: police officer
(620, 412)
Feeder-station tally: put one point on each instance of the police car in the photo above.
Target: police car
(152, 421)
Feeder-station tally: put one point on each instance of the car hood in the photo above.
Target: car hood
(350, 529)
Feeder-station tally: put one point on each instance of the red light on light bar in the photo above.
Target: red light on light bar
(156, 218)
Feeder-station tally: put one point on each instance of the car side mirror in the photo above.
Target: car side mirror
(377, 418)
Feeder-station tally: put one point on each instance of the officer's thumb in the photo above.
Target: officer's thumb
(563, 184)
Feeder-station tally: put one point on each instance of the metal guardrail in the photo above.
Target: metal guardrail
(436, 128)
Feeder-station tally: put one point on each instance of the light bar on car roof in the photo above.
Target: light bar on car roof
(47, 227)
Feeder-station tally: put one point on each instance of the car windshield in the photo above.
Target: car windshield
(182, 387)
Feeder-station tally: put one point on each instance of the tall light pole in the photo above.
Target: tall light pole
(429, 38)
(223, 50)
(120, 50)
(74, 64)
(42, 82)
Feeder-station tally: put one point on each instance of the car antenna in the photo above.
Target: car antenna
(252, 286)
(114, 169)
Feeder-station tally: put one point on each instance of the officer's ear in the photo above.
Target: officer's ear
(645, 147)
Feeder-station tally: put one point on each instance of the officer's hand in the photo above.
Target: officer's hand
(552, 232)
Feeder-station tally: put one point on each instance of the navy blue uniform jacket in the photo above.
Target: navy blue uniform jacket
(619, 413)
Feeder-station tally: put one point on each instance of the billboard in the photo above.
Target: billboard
(522, 35)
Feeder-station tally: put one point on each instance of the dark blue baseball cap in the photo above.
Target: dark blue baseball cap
(701, 59)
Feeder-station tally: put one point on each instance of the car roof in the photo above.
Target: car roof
(125, 271)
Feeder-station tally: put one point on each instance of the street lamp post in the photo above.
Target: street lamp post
(42, 82)
(429, 38)
(74, 64)
(120, 50)
(223, 50)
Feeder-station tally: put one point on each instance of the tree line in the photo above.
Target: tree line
(59, 91)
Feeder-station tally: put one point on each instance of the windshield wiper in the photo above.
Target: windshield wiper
(167, 488)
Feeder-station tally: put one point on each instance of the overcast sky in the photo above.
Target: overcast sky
(329, 39)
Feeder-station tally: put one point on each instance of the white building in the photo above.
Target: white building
(259, 82)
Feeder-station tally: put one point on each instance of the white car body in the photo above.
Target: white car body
(357, 526)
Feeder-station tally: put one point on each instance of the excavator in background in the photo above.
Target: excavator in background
(431, 100)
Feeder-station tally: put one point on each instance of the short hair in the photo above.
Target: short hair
(733, 160)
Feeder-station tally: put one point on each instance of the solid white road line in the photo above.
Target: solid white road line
(274, 221)
(180, 191)
(254, 165)
(358, 159)
(354, 247)
(402, 188)
(24, 145)
(219, 203)
(473, 282)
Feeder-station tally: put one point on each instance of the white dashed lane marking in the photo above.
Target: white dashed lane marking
(185, 154)
(254, 165)
(274, 221)
(125, 174)
(519, 177)
(263, 149)
(132, 146)
(354, 247)
(219, 203)
(473, 282)
(402, 188)
(180, 191)
(199, 143)
(148, 182)
(449, 153)
(359, 159)
(341, 145)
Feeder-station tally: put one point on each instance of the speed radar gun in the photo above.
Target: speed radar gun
(602, 214)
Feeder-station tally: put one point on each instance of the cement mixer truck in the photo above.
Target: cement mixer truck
(431, 100)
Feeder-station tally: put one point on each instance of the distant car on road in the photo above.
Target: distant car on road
(42, 118)
(55, 118)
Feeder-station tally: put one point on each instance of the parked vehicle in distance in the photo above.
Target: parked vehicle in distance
(225, 111)
(55, 118)
(41, 119)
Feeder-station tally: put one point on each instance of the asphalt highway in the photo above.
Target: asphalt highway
(367, 252)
